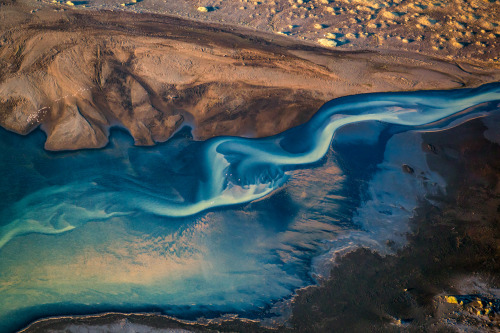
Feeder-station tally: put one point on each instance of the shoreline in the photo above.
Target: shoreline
(438, 147)
(318, 75)
(148, 321)
(150, 74)
(452, 240)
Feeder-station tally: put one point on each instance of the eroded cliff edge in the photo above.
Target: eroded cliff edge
(74, 74)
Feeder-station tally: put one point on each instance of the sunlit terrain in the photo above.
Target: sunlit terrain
(192, 228)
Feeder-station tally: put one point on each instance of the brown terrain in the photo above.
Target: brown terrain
(455, 29)
(256, 68)
(444, 280)
(77, 72)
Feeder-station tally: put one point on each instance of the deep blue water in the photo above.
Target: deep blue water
(197, 228)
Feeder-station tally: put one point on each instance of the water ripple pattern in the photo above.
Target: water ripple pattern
(235, 170)
(190, 227)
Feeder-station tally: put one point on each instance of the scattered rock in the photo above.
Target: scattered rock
(408, 169)
(327, 42)
(431, 148)
(204, 9)
(451, 299)
(80, 74)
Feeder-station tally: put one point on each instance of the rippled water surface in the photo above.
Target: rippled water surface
(194, 228)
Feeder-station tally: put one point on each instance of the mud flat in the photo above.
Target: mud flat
(74, 73)
(446, 277)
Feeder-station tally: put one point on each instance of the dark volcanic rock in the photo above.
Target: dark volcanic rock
(459, 239)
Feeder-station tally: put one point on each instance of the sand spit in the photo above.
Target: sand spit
(75, 73)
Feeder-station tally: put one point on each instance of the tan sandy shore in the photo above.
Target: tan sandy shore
(76, 72)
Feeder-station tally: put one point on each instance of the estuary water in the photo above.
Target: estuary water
(228, 225)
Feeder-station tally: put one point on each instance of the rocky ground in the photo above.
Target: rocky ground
(446, 279)
(454, 29)
(76, 72)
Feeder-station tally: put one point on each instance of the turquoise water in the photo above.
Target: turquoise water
(230, 224)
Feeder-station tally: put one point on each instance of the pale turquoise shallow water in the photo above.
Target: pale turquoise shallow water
(231, 224)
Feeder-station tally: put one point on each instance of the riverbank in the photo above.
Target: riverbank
(451, 252)
(76, 73)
